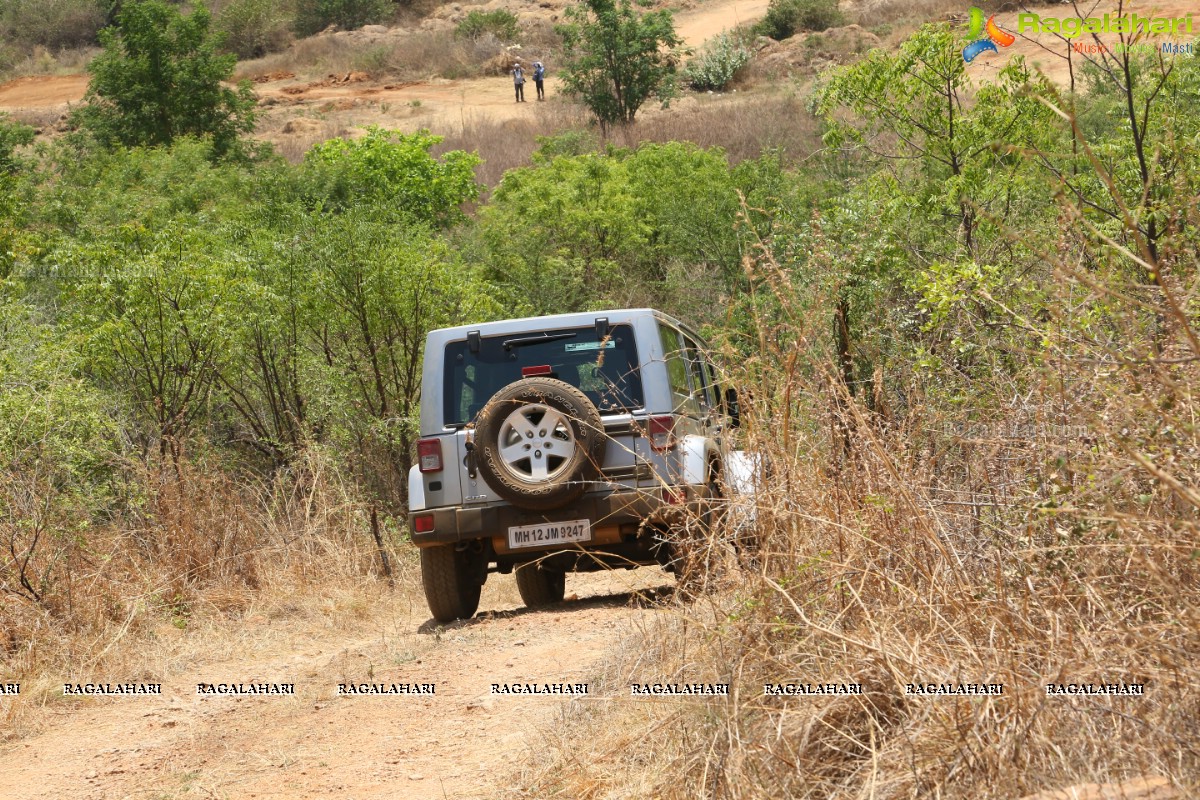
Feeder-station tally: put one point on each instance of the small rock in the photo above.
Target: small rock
(416, 777)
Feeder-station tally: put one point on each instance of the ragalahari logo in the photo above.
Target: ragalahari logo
(995, 36)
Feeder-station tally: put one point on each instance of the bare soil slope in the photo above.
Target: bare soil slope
(459, 743)
(436, 102)
(440, 104)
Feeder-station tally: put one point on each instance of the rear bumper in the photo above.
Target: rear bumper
(615, 509)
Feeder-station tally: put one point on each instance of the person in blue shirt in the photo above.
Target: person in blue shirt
(519, 81)
(539, 76)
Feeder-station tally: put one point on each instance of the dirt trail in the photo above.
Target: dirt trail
(456, 744)
(42, 91)
(701, 24)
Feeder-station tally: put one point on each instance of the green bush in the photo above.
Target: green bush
(314, 16)
(393, 172)
(716, 65)
(12, 135)
(785, 17)
(253, 28)
(500, 23)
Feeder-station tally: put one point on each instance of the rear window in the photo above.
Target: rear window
(604, 370)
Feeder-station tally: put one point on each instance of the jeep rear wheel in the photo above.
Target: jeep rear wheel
(540, 586)
(452, 580)
(540, 441)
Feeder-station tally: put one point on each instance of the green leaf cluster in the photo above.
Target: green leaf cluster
(620, 227)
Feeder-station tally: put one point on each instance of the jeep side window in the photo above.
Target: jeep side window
(715, 387)
(702, 386)
(682, 401)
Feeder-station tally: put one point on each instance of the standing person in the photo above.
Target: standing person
(519, 81)
(539, 75)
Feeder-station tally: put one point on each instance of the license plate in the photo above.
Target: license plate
(548, 534)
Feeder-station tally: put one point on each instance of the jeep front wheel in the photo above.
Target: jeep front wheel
(540, 586)
(452, 580)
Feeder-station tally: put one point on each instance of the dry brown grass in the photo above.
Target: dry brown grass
(1047, 533)
(44, 61)
(210, 554)
(924, 557)
(743, 125)
(415, 55)
(508, 144)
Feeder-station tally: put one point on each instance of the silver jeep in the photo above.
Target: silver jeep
(557, 444)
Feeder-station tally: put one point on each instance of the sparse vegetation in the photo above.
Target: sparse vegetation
(499, 23)
(786, 17)
(53, 24)
(253, 28)
(314, 16)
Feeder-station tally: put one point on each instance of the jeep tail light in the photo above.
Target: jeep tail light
(423, 523)
(674, 496)
(541, 369)
(429, 455)
(661, 432)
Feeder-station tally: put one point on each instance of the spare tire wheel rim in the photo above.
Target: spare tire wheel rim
(536, 443)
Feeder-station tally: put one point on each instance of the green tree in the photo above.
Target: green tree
(253, 28)
(942, 153)
(929, 227)
(58, 447)
(156, 312)
(377, 288)
(619, 228)
(160, 77)
(618, 58)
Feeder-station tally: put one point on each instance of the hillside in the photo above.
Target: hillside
(957, 302)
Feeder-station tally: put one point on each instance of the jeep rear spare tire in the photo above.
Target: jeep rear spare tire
(540, 441)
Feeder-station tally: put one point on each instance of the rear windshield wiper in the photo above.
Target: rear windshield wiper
(509, 344)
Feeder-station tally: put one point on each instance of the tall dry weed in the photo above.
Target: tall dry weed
(200, 543)
(1045, 532)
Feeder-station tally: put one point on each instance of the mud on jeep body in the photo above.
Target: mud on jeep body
(557, 444)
